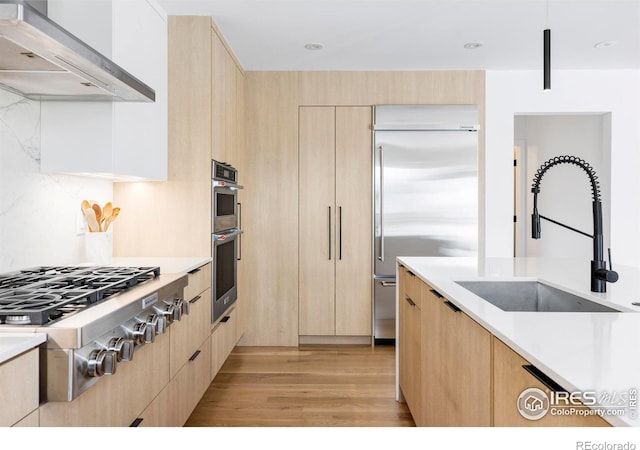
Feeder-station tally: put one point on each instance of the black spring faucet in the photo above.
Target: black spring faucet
(600, 275)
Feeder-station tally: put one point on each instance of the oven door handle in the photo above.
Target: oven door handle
(225, 236)
(239, 258)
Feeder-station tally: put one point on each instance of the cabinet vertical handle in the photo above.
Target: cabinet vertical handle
(195, 355)
(543, 378)
(239, 258)
(329, 228)
(340, 235)
(136, 422)
(195, 299)
(411, 302)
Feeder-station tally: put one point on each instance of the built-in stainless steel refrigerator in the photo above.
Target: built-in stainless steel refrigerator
(425, 192)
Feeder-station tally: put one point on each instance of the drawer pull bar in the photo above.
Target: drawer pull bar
(436, 293)
(194, 271)
(195, 299)
(543, 378)
(195, 355)
(136, 422)
(411, 302)
(225, 319)
(452, 307)
(411, 273)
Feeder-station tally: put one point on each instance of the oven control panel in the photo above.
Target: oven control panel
(223, 172)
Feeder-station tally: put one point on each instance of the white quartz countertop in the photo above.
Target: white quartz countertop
(13, 344)
(166, 264)
(580, 351)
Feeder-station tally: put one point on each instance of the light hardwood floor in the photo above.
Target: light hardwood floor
(347, 386)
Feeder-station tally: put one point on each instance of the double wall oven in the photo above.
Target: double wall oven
(226, 249)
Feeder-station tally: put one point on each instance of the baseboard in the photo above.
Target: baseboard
(334, 340)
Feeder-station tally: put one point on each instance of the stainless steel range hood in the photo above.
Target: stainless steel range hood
(42, 61)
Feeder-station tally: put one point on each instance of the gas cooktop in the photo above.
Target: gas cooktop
(42, 295)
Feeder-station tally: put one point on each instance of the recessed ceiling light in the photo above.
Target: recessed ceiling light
(605, 44)
(314, 46)
(472, 45)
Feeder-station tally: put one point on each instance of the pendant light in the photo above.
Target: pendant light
(547, 54)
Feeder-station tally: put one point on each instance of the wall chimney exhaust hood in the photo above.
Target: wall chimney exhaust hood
(42, 61)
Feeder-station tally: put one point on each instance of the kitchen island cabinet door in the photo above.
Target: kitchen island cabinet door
(456, 365)
(510, 380)
(467, 370)
(410, 345)
(18, 387)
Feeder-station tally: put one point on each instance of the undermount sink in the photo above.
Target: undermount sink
(531, 296)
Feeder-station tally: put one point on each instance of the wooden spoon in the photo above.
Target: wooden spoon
(111, 218)
(85, 204)
(92, 222)
(98, 212)
(107, 210)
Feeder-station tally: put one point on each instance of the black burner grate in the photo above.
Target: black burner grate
(44, 294)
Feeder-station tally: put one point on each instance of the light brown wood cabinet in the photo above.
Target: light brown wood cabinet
(173, 406)
(465, 376)
(205, 121)
(410, 348)
(510, 379)
(188, 334)
(335, 297)
(224, 338)
(456, 365)
(19, 388)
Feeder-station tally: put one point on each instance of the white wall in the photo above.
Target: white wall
(520, 92)
(37, 211)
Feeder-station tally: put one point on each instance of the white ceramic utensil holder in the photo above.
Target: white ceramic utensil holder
(98, 247)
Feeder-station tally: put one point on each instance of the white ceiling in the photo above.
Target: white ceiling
(423, 34)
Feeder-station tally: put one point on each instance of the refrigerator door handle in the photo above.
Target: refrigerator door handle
(381, 252)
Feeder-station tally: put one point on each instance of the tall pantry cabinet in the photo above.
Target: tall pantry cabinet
(335, 253)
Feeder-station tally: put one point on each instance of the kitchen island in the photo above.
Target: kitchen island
(580, 351)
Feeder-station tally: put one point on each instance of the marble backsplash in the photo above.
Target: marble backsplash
(38, 211)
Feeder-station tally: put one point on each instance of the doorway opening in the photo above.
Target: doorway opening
(565, 195)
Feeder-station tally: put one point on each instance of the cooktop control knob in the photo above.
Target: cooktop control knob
(122, 347)
(101, 362)
(139, 333)
(167, 312)
(183, 306)
(153, 327)
(177, 309)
